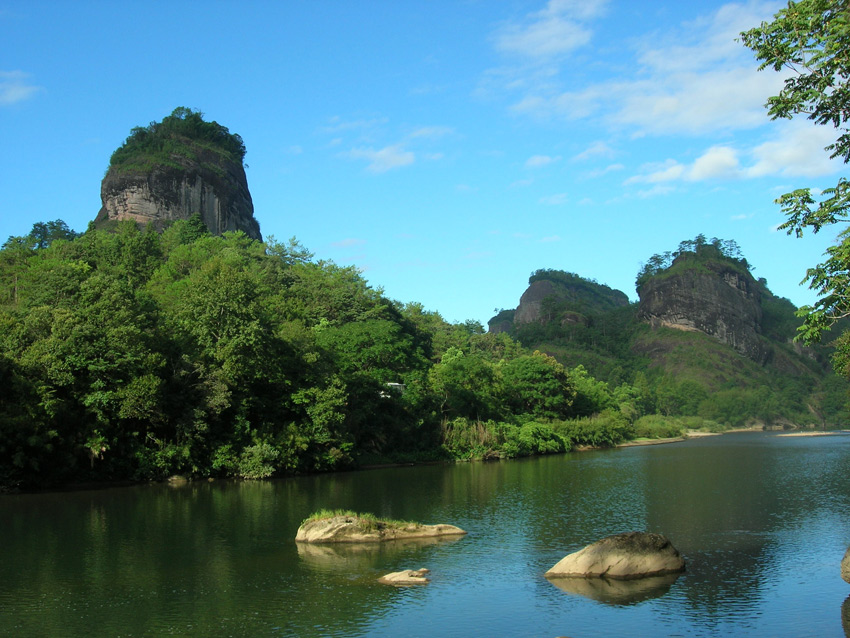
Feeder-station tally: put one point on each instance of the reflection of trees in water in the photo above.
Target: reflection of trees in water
(845, 616)
(203, 559)
(730, 504)
(356, 558)
(714, 503)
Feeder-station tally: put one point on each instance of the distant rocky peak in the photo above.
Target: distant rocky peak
(555, 295)
(717, 298)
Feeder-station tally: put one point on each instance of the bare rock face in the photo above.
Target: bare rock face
(530, 309)
(622, 556)
(216, 189)
(353, 529)
(559, 296)
(406, 577)
(717, 300)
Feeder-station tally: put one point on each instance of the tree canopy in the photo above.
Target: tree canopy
(182, 133)
(694, 251)
(811, 39)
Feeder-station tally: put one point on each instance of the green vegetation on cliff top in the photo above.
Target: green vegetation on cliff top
(183, 134)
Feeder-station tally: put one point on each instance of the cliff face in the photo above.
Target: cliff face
(562, 297)
(206, 184)
(715, 299)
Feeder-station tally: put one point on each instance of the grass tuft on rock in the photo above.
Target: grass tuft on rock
(366, 520)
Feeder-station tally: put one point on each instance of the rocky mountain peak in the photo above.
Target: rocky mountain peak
(173, 169)
(716, 297)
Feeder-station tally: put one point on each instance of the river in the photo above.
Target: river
(762, 521)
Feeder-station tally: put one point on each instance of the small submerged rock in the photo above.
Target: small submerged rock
(622, 556)
(845, 566)
(356, 529)
(406, 577)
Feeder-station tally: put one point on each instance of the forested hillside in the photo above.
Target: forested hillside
(136, 354)
(130, 354)
(706, 338)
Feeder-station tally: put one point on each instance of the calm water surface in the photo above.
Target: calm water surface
(762, 521)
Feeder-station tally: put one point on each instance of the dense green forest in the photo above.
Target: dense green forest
(130, 354)
(133, 354)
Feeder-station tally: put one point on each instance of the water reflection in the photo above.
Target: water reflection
(617, 592)
(758, 520)
(363, 557)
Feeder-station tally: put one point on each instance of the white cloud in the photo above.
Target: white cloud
(336, 124)
(597, 149)
(384, 159)
(550, 240)
(694, 80)
(432, 131)
(15, 87)
(552, 32)
(664, 172)
(716, 162)
(537, 161)
(796, 151)
(604, 171)
(554, 200)
(548, 36)
(656, 190)
(350, 241)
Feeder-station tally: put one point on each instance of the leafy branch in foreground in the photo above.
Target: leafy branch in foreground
(811, 38)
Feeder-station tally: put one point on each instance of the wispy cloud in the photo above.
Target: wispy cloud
(558, 29)
(383, 159)
(554, 200)
(431, 132)
(611, 168)
(537, 161)
(597, 149)
(695, 80)
(348, 242)
(379, 157)
(795, 150)
(15, 87)
(337, 124)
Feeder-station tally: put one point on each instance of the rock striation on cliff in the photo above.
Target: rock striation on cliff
(714, 297)
(173, 169)
(554, 295)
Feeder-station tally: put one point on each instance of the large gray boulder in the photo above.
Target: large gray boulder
(353, 529)
(622, 556)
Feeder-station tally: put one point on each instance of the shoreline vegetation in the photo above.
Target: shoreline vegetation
(179, 480)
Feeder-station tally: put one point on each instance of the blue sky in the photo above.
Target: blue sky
(446, 148)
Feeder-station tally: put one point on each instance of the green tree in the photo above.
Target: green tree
(538, 385)
(811, 38)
